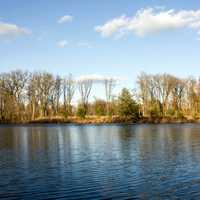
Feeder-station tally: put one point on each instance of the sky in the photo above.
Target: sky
(104, 37)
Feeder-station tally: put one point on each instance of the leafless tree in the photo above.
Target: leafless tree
(69, 87)
(85, 87)
(13, 86)
(56, 92)
(45, 86)
(109, 84)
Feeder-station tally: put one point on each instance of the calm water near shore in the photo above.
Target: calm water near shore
(100, 161)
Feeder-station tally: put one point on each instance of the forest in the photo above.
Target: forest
(42, 97)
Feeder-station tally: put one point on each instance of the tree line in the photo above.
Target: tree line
(26, 96)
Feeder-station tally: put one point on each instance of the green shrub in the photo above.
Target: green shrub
(179, 115)
(170, 112)
(81, 111)
(99, 107)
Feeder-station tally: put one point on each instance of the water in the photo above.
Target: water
(100, 162)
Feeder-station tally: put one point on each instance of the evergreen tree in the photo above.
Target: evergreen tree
(127, 106)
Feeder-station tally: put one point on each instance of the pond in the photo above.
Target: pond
(100, 161)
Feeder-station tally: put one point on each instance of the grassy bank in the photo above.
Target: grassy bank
(107, 120)
(86, 120)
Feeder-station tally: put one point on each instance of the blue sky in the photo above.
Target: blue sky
(171, 48)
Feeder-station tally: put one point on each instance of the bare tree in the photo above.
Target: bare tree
(163, 86)
(109, 84)
(45, 86)
(85, 86)
(69, 87)
(178, 93)
(160, 92)
(2, 100)
(143, 81)
(13, 86)
(56, 94)
(33, 95)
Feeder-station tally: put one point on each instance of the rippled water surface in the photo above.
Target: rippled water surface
(100, 162)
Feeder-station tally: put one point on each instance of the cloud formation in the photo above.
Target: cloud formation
(151, 21)
(96, 78)
(12, 30)
(65, 19)
(62, 43)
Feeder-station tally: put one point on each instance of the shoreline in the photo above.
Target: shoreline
(104, 121)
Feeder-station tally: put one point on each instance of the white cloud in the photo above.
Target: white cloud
(12, 30)
(96, 78)
(84, 44)
(65, 19)
(62, 43)
(151, 21)
(112, 26)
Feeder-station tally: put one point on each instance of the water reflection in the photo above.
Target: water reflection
(112, 161)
